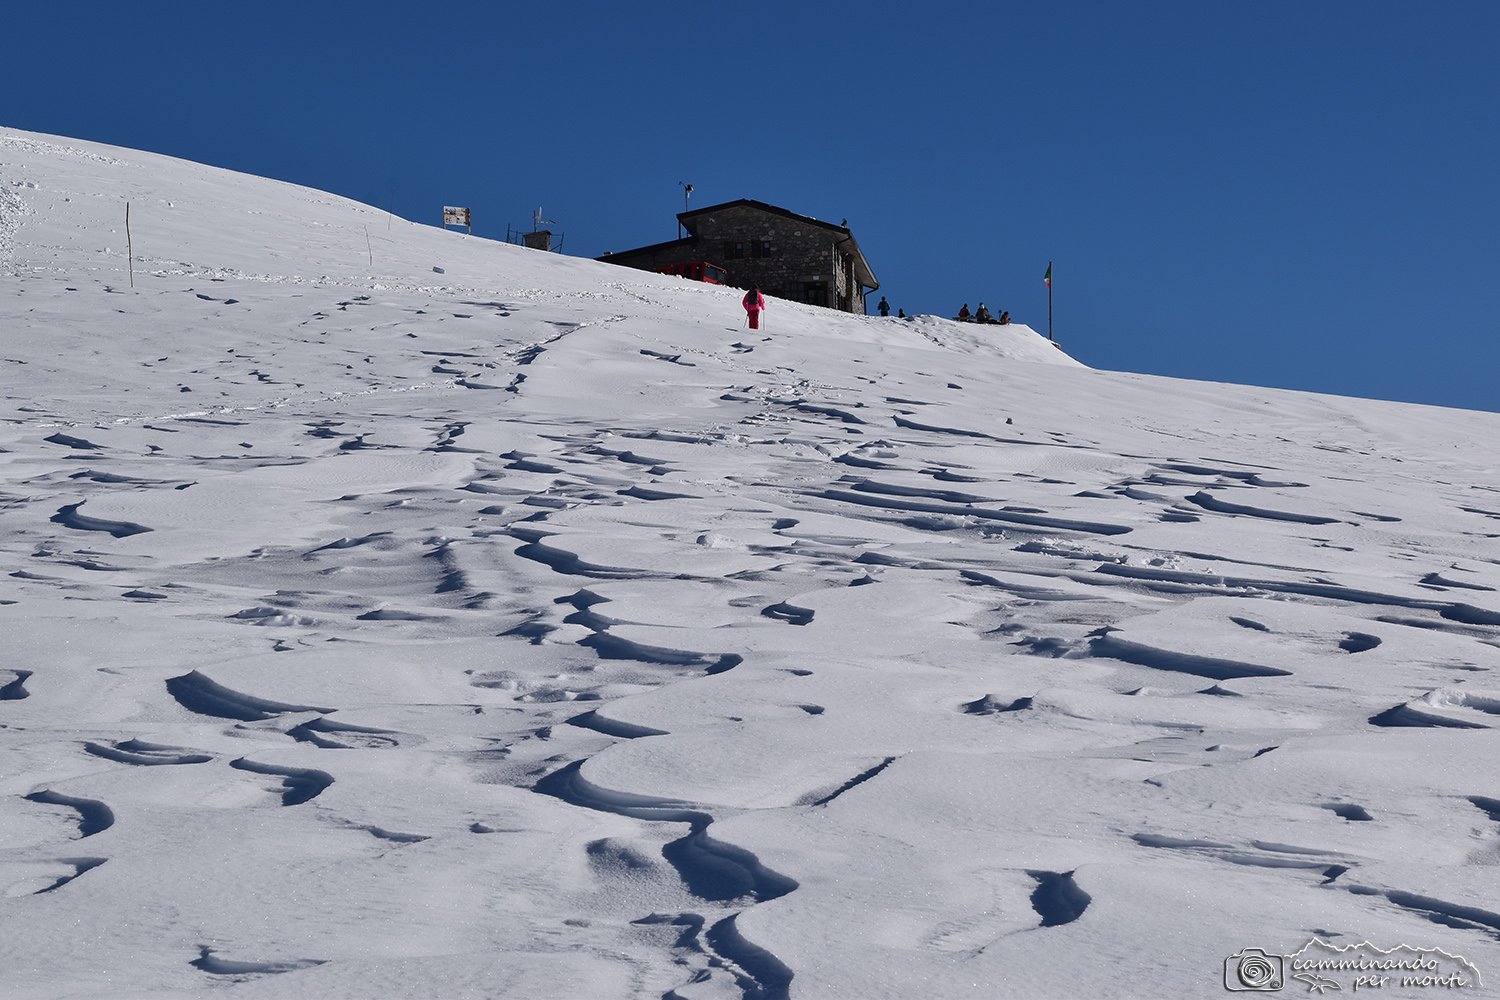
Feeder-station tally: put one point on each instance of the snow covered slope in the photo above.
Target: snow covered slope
(394, 613)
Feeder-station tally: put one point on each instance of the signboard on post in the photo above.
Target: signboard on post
(453, 216)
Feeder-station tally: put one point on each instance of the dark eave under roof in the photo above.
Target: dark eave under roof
(653, 246)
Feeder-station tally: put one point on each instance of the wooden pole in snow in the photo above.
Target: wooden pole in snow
(129, 248)
(368, 249)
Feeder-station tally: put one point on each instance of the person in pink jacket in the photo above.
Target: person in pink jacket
(754, 302)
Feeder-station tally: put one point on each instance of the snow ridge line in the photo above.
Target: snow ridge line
(713, 870)
(278, 404)
(1186, 581)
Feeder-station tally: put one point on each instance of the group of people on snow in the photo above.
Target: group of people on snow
(982, 315)
(755, 303)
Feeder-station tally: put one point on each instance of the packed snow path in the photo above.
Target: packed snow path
(528, 628)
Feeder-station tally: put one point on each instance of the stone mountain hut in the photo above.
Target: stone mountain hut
(782, 253)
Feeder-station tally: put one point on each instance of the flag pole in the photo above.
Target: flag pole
(1048, 279)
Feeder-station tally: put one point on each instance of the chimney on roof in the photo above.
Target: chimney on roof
(539, 240)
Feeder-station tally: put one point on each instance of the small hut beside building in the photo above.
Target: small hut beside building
(782, 253)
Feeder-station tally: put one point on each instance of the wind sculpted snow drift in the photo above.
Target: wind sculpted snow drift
(393, 613)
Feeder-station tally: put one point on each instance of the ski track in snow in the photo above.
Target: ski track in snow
(555, 631)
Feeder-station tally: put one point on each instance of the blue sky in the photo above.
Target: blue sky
(1293, 194)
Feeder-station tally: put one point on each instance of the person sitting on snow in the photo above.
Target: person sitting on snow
(982, 314)
(963, 314)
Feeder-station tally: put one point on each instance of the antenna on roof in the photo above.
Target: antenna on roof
(537, 222)
(687, 190)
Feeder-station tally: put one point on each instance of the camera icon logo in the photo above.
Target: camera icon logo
(1254, 971)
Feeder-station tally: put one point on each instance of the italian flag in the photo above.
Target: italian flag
(1048, 276)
